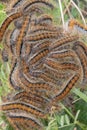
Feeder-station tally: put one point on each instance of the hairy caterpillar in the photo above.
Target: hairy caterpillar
(38, 57)
(63, 66)
(70, 84)
(64, 41)
(21, 35)
(24, 107)
(7, 22)
(42, 36)
(25, 119)
(29, 4)
(75, 24)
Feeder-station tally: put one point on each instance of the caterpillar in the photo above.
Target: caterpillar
(43, 71)
(42, 36)
(43, 20)
(26, 50)
(64, 41)
(11, 76)
(56, 74)
(29, 4)
(63, 66)
(62, 54)
(40, 46)
(36, 86)
(38, 57)
(34, 9)
(24, 107)
(73, 23)
(25, 119)
(34, 96)
(70, 84)
(14, 4)
(21, 35)
(7, 22)
(82, 57)
(43, 28)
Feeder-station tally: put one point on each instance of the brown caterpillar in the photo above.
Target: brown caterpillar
(31, 98)
(14, 4)
(38, 56)
(62, 54)
(35, 86)
(63, 41)
(26, 50)
(7, 22)
(70, 84)
(82, 45)
(12, 123)
(34, 9)
(40, 28)
(83, 59)
(21, 35)
(29, 4)
(34, 96)
(25, 119)
(40, 46)
(24, 107)
(63, 66)
(44, 19)
(55, 74)
(73, 23)
(24, 83)
(42, 36)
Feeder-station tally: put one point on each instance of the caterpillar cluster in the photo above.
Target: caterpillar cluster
(47, 63)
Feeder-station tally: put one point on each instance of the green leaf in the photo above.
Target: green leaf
(68, 127)
(82, 106)
(80, 94)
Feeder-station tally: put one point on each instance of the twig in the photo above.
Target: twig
(61, 10)
(79, 11)
(67, 8)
